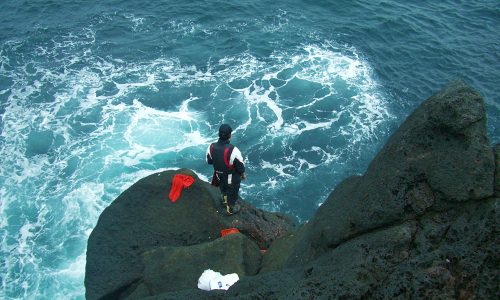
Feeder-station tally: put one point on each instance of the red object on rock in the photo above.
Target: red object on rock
(225, 232)
(179, 183)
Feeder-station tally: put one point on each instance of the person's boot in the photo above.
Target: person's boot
(232, 209)
(224, 200)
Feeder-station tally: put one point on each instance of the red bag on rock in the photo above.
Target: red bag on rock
(179, 182)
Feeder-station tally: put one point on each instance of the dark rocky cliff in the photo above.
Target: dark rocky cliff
(422, 222)
(144, 244)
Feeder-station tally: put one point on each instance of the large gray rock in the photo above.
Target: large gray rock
(439, 157)
(444, 255)
(452, 254)
(278, 254)
(143, 218)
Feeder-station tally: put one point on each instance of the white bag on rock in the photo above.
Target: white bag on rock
(206, 277)
(223, 282)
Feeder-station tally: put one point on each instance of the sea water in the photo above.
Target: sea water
(98, 94)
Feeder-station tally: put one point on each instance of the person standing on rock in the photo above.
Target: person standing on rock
(229, 168)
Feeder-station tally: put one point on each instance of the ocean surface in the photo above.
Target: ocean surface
(98, 94)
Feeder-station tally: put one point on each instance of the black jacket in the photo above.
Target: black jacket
(227, 161)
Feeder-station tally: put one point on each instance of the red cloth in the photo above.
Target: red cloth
(215, 180)
(225, 232)
(179, 183)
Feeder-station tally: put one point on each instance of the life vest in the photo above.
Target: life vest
(222, 165)
(223, 169)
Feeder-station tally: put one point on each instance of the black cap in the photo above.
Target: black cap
(225, 132)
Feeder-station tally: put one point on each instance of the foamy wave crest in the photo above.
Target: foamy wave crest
(316, 106)
(73, 137)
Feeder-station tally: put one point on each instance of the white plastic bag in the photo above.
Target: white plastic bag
(206, 277)
(223, 282)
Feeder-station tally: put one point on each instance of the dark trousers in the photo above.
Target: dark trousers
(231, 191)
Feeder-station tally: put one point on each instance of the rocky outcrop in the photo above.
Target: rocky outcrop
(438, 158)
(142, 221)
(422, 222)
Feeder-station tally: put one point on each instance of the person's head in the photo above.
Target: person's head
(225, 132)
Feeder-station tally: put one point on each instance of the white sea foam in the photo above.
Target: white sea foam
(303, 126)
(57, 193)
(326, 66)
(25, 236)
(279, 22)
(278, 168)
(137, 22)
(151, 132)
(305, 162)
(256, 95)
(326, 111)
(83, 205)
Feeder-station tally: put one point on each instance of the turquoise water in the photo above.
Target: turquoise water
(95, 96)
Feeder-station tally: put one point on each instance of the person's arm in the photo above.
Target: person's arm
(236, 160)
